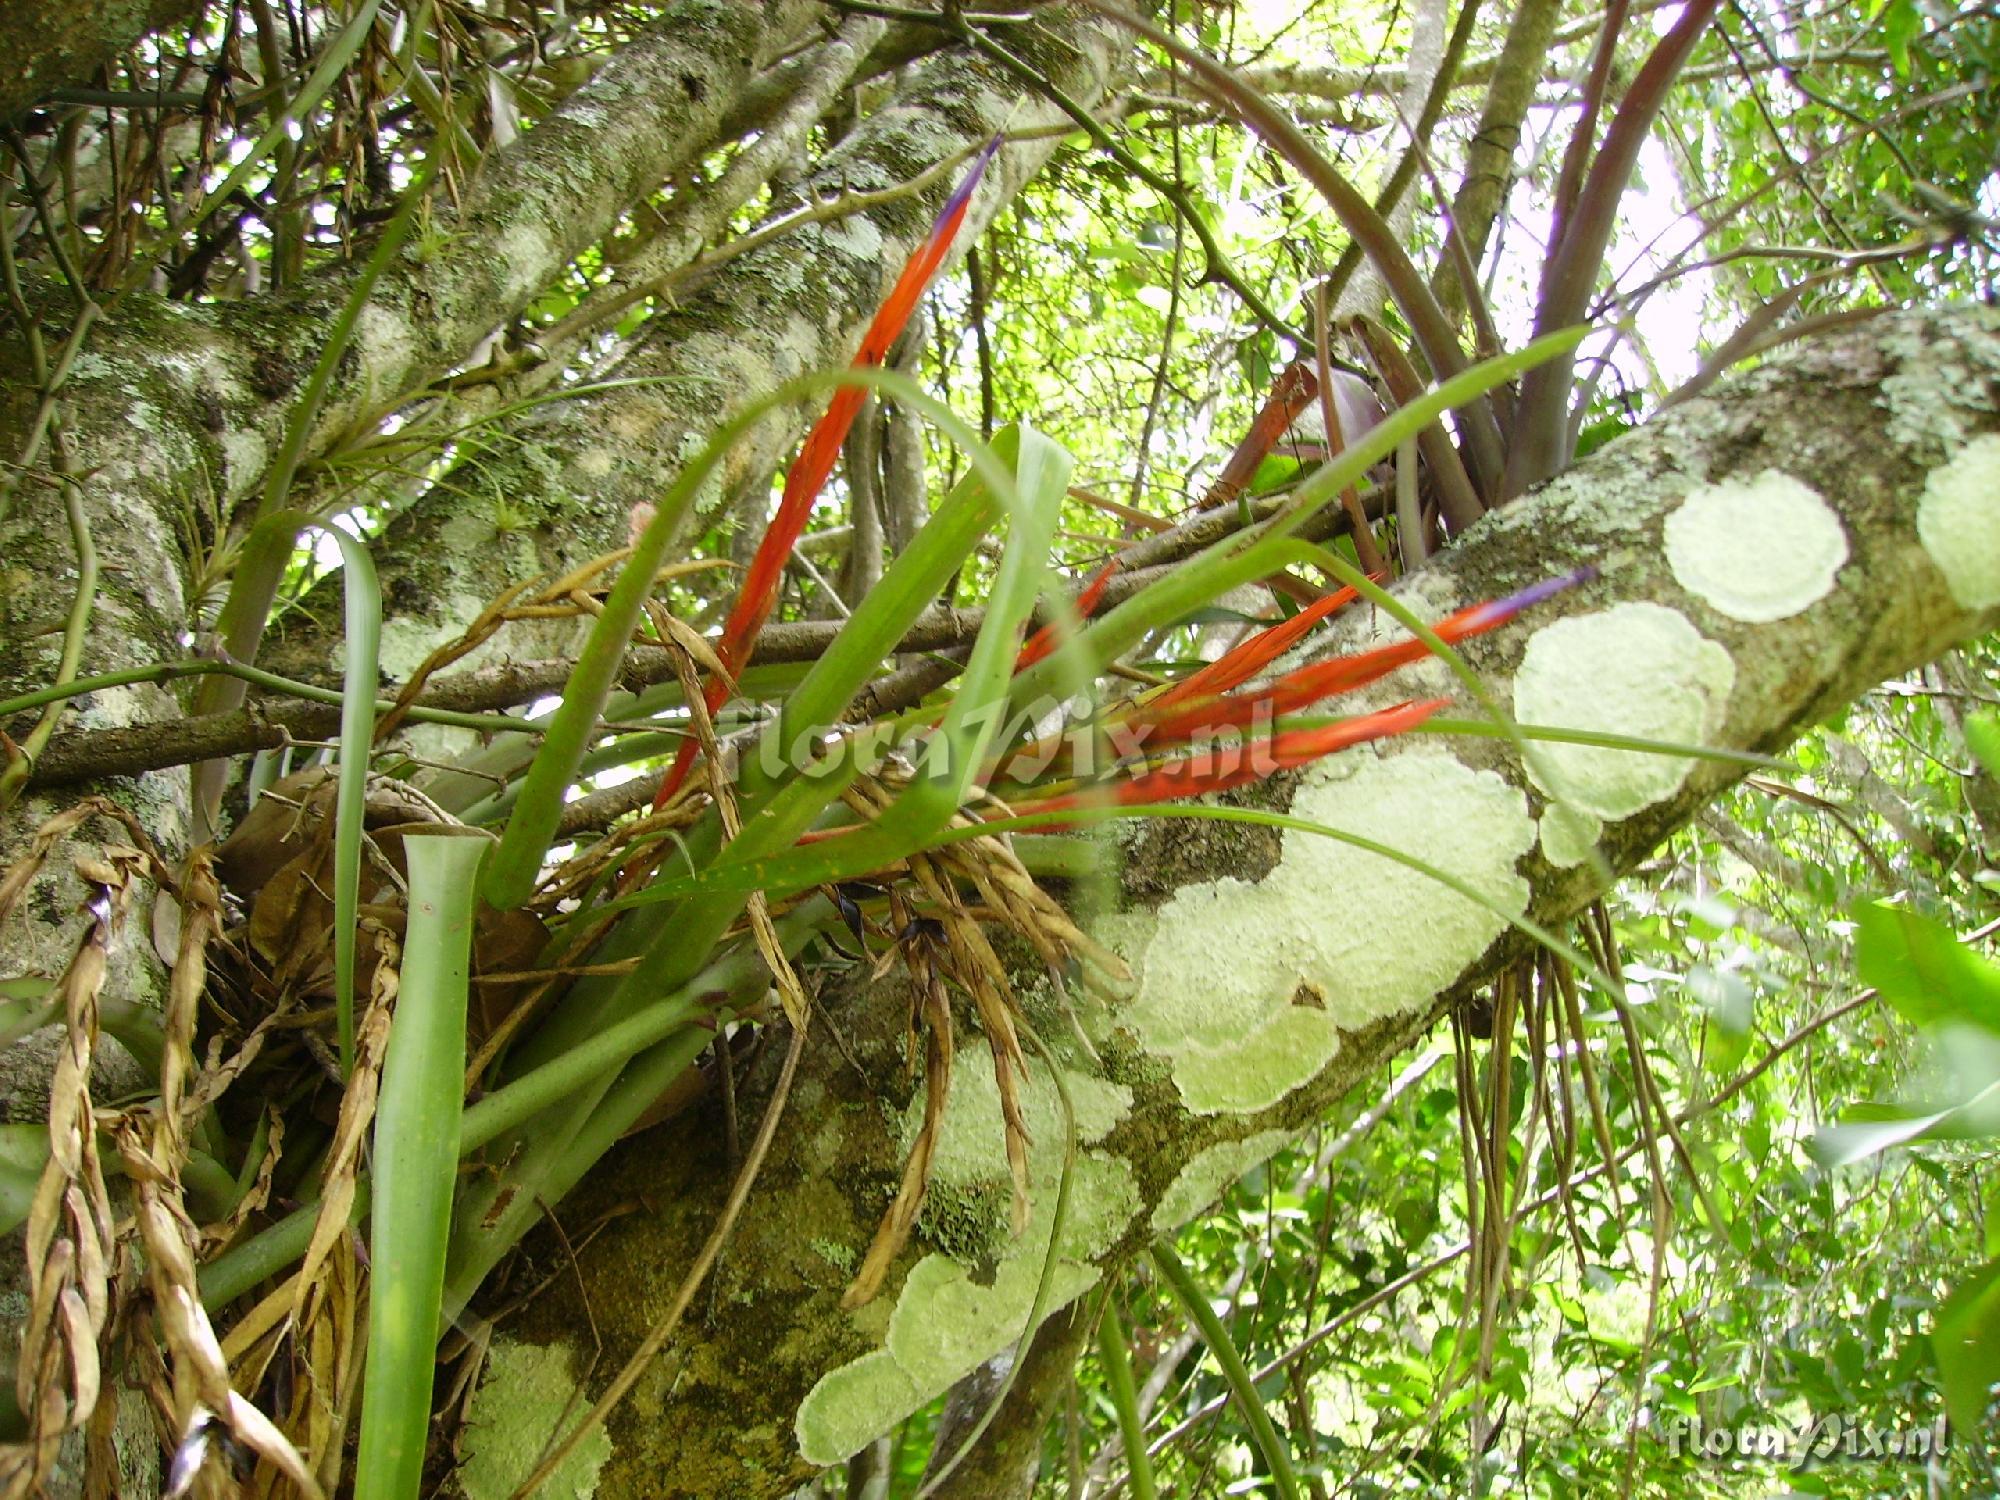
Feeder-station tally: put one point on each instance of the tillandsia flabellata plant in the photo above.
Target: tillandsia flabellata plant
(775, 828)
(814, 465)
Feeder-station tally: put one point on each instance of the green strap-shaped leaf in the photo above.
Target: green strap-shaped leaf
(416, 1164)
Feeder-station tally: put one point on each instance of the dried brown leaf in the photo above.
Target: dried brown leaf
(70, 1236)
(350, 1134)
(894, 1230)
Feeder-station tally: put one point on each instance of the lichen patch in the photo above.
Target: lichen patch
(1199, 940)
(1938, 388)
(386, 343)
(1756, 550)
(1958, 522)
(1208, 1173)
(852, 1405)
(1285, 1052)
(526, 252)
(857, 237)
(1637, 669)
(946, 1324)
(244, 455)
(1568, 835)
(1367, 935)
(525, 1391)
(971, 1144)
(408, 640)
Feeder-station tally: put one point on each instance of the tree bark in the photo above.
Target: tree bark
(580, 466)
(57, 46)
(1489, 156)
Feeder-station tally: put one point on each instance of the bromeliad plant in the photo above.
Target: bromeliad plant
(641, 947)
(611, 966)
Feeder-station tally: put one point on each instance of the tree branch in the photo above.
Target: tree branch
(780, 310)
(273, 721)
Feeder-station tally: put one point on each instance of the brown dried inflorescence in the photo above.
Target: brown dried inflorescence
(937, 934)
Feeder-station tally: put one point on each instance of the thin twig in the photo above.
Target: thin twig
(1218, 265)
(457, 697)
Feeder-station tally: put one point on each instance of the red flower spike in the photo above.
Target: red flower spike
(808, 474)
(1235, 666)
(1043, 641)
(1219, 770)
(1308, 685)
(1251, 656)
